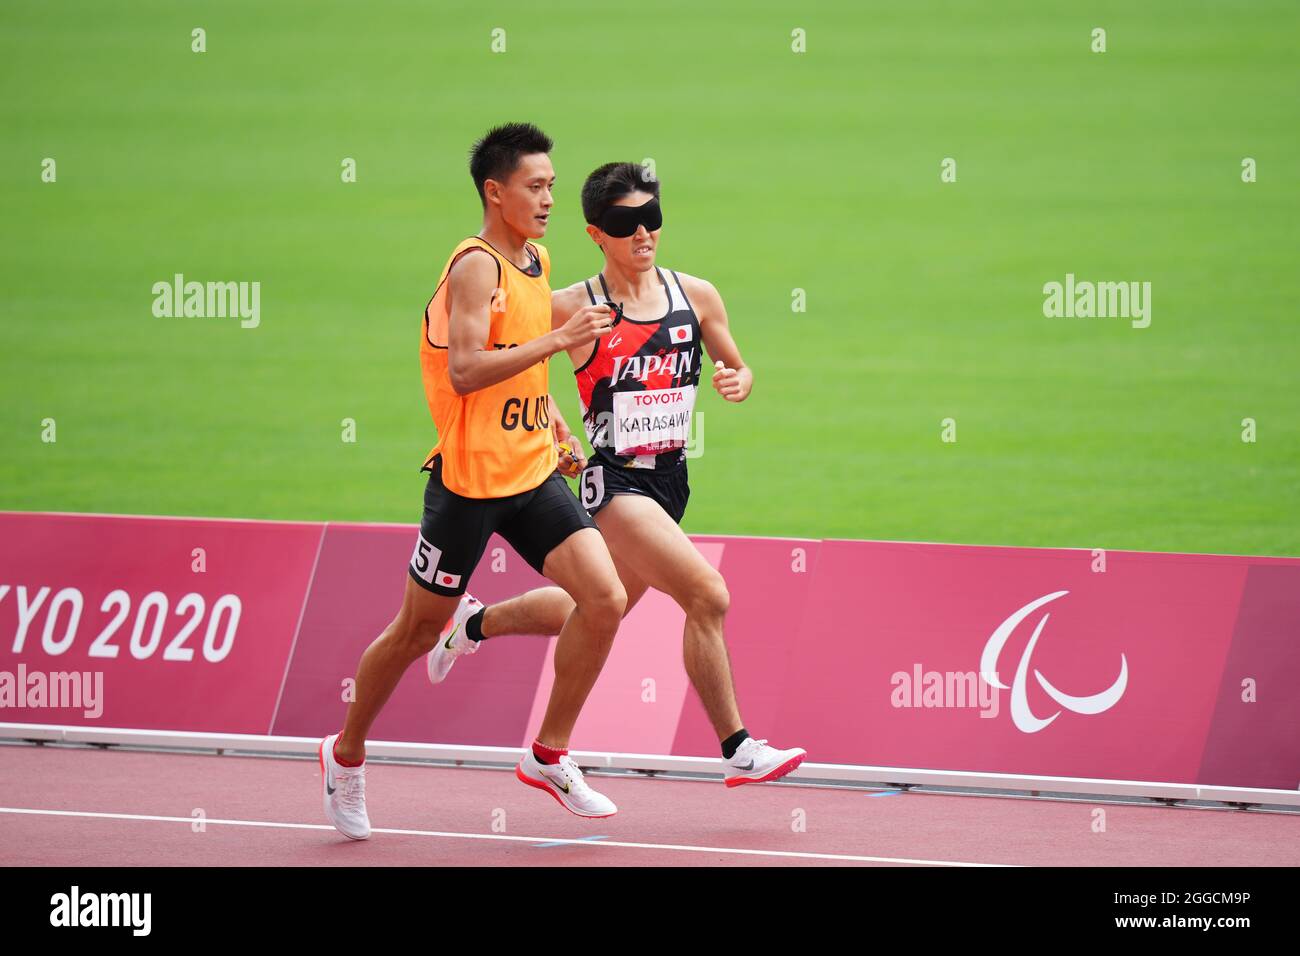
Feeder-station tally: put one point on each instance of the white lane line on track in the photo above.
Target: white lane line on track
(783, 854)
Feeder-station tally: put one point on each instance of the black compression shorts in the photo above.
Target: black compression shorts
(454, 530)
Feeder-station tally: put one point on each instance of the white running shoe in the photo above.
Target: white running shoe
(564, 782)
(756, 762)
(344, 789)
(453, 641)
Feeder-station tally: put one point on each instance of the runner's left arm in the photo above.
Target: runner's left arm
(731, 377)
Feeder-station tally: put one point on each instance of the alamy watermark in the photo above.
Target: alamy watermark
(212, 300)
(1085, 300)
(76, 908)
(56, 690)
(943, 689)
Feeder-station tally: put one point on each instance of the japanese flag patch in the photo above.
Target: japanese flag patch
(680, 333)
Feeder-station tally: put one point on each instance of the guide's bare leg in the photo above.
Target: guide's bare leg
(410, 636)
(581, 565)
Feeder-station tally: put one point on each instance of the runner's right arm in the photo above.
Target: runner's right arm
(472, 366)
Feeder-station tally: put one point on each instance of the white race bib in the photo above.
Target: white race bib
(652, 422)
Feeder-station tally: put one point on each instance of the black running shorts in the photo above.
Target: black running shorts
(454, 531)
(600, 482)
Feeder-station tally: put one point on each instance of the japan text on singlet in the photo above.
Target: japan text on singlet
(496, 441)
(638, 387)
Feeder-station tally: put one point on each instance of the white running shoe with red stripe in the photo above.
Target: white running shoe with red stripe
(564, 781)
(344, 790)
(756, 762)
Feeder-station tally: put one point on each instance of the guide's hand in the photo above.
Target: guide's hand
(572, 460)
(587, 324)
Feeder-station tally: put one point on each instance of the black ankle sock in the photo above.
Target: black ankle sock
(474, 626)
(731, 743)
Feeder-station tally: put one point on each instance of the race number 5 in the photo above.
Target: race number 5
(425, 558)
(593, 486)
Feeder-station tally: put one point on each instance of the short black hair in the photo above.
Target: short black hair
(497, 154)
(612, 182)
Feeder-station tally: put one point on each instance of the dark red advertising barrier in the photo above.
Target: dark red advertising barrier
(1135, 666)
(189, 622)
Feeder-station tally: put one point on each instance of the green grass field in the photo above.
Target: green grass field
(780, 170)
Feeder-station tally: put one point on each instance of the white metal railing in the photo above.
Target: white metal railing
(507, 756)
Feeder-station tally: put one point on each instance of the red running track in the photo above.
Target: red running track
(90, 807)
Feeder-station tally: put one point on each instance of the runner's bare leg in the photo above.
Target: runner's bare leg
(581, 565)
(543, 611)
(410, 636)
(652, 545)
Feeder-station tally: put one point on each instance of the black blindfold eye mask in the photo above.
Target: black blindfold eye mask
(621, 221)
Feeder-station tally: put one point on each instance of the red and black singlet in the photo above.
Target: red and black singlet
(638, 387)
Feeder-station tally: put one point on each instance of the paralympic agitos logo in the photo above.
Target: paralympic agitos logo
(1024, 718)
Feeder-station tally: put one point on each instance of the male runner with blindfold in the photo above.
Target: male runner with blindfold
(637, 387)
